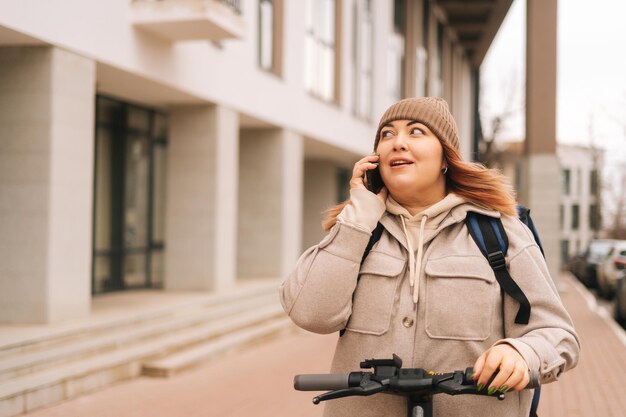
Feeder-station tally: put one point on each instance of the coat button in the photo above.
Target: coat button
(407, 322)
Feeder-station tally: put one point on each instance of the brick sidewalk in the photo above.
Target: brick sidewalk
(595, 386)
(592, 389)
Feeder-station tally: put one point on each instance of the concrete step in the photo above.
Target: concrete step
(191, 357)
(30, 361)
(44, 337)
(163, 342)
(134, 354)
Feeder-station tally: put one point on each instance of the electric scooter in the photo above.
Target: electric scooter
(416, 384)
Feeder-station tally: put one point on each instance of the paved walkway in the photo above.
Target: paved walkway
(258, 381)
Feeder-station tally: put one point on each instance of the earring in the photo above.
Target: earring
(445, 170)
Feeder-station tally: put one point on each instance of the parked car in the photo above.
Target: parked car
(577, 265)
(585, 269)
(620, 298)
(608, 269)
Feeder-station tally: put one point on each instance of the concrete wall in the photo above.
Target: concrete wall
(542, 172)
(270, 202)
(320, 193)
(201, 198)
(46, 184)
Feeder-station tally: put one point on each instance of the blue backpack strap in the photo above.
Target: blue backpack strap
(496, 225)
(375, 237)
(535, 402)
(524, 215)
(491, 239)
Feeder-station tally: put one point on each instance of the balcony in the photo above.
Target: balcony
(183, 20)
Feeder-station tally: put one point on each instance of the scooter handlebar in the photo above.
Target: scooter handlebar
(321, 382)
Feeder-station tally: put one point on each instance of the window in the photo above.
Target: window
(320, 59)
(129, 196)
(362, 58)
(565, 181)
(270, 34)
(440, 51)
(564, 251)
(561, 216)
(422, 66)
(435, 72)
(593, 182)
(396, 54)
(266, 35)
(343, 180)
(575, 214)
(594, 217)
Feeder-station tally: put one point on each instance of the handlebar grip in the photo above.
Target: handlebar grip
(321, 382)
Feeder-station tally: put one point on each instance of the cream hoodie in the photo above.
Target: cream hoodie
(366, 209)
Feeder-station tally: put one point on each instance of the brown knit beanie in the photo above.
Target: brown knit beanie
(430, 111)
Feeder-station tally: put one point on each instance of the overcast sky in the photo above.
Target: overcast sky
(591, 74)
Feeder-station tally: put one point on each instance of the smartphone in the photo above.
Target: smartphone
(374, 180)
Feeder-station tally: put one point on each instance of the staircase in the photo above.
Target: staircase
(158, 341)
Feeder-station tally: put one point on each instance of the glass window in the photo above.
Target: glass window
(564, 251)
(565, 181)
(440, 41)
(362, 59)
(128, 195)
(561, 216)
(266, 34)
(158, 194)
(320, 49)
(396, 54)
(594, 217)
(575, 214)
(136, 184)
(593, 182)
(343, 181)
(138, 119)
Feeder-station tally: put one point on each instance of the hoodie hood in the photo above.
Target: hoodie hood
(422, 227)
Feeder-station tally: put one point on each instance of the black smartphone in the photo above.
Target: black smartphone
(374, 180)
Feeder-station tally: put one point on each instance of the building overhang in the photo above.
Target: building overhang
(183, 20)
(475, 23)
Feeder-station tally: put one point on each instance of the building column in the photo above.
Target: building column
(270, 196)
(201, 206)
(320, 193)
(46, 184)
(541, 188)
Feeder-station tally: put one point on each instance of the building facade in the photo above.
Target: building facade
(188, 144)
(580, 211)
(579, 194)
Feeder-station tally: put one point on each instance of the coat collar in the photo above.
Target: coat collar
(456, 215)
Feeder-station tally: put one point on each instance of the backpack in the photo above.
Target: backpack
(491, 239)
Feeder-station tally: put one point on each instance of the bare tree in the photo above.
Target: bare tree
(495, 125)
(616, 190)
(617, 194)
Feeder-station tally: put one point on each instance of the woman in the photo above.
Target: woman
(425, 291)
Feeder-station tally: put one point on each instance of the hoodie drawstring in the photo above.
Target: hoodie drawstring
(415, 265)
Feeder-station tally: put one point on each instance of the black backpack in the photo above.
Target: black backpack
(491, 239)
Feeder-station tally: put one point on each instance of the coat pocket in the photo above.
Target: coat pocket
(461, 295)
(373, 300)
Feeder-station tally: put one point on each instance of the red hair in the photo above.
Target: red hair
(482, 186)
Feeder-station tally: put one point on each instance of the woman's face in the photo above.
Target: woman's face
(411, 158)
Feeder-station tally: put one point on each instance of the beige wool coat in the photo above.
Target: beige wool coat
(457, 317)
